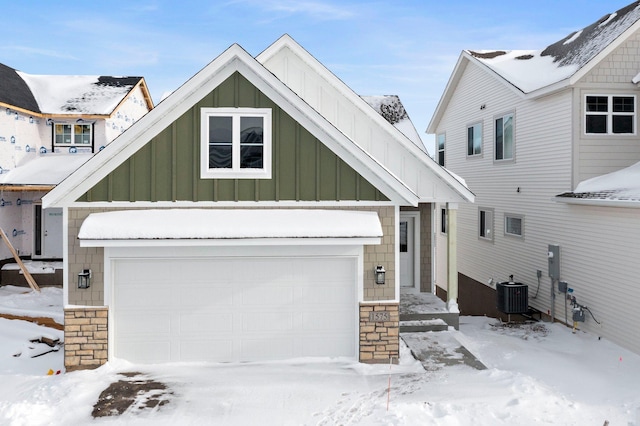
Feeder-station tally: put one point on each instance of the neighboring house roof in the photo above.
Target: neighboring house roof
(59, 95)
(620, 188)
(561, 64)
(45, 170)
(390, 107)
(236, 59)
(14, 90)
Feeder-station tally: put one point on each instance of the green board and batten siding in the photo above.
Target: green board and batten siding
(167, 168)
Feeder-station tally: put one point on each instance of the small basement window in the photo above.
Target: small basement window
(514, 225)
(235, 143)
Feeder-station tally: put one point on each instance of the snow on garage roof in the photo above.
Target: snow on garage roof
(184, 224)
(613, 188)
(530, 70)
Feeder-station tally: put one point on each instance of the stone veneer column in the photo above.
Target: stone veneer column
(379, 332)
(85, 337)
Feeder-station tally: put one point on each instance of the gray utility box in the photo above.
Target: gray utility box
(512, 298)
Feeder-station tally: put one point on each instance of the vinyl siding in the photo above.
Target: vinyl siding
(598, 245)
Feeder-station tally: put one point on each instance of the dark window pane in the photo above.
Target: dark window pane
(470, 141)
(623, 104)
(597, 104)
(441, 158)
(251, 156)
(443, 221)
(403, 237)
(507, 139)
(514, 226)
(251, 130)
(596, 124)
(220, 129)
(483, 219)
(622, 124)
(220, 156)
(499, 139)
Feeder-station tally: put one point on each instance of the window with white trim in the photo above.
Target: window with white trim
(504, 143)
(514, 225)
(440, 141)
(474, 139)
(72, 134)
(235, 143)
(609, 114)
(485, 224)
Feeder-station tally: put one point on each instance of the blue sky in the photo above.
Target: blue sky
(408, 48)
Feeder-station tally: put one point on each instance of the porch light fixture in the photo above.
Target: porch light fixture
(379, 272)
(84, 278)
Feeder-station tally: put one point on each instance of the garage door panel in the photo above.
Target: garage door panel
(223, 309)
(143, 323)
(205, 324)
(195, 296)
(192, 350)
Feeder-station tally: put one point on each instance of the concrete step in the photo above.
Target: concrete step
(450, 319)
(418, 326)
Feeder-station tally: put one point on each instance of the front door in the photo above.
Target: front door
(407, 251)
(48, 235)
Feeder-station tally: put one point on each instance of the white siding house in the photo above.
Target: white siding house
(550, 120)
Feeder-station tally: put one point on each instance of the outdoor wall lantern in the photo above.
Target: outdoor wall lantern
(84, 278)
(380, 274)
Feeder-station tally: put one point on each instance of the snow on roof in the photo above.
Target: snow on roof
(530, 70)
(78, 94)
(621, 185)
(390, 107)
(47, 169)
(229, 224)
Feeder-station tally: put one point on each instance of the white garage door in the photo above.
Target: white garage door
(233, 309)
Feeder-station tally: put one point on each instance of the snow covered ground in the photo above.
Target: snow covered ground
(539, 374)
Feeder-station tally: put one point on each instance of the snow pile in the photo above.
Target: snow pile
(230, 223)
(22, 301)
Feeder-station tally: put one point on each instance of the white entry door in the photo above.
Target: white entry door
(407, 251)
(48, 239)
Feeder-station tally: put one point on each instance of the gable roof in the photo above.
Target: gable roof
(59, 95)
(401, 143)
(561, 64)
(234, 59)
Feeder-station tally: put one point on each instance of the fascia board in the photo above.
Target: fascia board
(454, 79)
(136, 136)
(599, 203)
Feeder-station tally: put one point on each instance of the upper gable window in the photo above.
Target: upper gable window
(474, 139)
(66, 134)
(236, 143)
(608, 115)
(504, 137)
(440, 142)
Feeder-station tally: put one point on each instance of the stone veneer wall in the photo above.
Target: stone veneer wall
(85, 337)
(379, 337)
